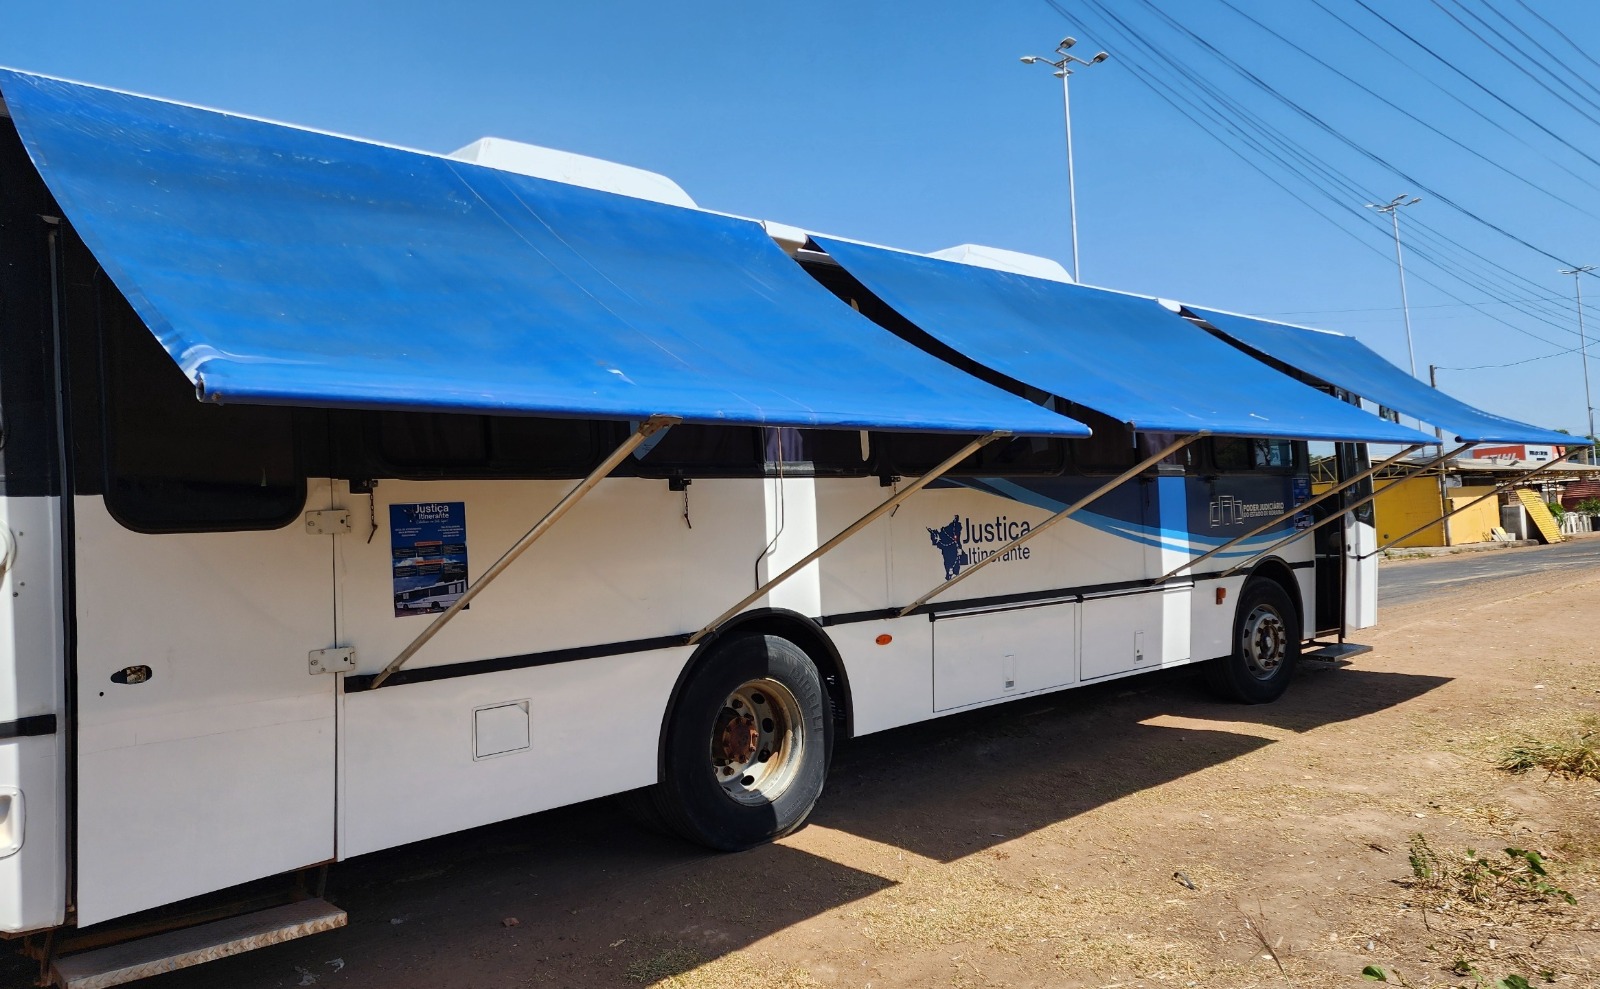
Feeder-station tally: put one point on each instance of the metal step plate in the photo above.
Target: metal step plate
(1334, 651)
(122, 963)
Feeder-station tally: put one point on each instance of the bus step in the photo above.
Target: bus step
(1334, 651)
(127, 962)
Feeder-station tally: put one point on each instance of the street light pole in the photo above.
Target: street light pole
(1392, 207)
(1583, 346)
(1063, 66)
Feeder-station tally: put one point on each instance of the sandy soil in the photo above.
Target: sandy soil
(1037, 844)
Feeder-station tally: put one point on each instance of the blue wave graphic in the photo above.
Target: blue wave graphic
(1176, 540)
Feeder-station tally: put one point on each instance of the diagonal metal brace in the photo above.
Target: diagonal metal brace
(851, 530)
(646, 429)
(1278, 519)
(1366, 500)
(1087, 499)
(1502, 485)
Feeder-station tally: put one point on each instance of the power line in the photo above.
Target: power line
(1516, 63)
(1485, 89)
(1447, 91)
(1407, 113)
(1341, 200)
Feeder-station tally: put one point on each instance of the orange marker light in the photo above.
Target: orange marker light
(884, 639)
(1222, 592)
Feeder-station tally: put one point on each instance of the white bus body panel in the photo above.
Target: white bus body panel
(33, 873)
(624, 565)
(1360, 576)
(220, 768)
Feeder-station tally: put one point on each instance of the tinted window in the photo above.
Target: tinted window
(915, 454)
(427, 444)
(174, 463)
(1274, 456)
(694, 450)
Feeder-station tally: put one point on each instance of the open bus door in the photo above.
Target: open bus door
(1346, 590)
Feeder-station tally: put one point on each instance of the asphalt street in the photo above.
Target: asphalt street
(1401, 581)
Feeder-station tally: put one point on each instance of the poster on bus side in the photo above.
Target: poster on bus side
(428, 541)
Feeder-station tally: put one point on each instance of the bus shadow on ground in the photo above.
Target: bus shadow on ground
(947, 788)
(581, 896)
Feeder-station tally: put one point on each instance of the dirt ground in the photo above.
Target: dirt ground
(1054, 841)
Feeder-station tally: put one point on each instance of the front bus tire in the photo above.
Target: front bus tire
(1266, 646)
(746, 746)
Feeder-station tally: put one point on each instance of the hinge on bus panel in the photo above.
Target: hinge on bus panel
(330, 523)
(340, 660)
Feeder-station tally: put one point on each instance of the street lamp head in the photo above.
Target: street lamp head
(1066, 43)
(1414, 200)
(1099, 57)
(1030, 59)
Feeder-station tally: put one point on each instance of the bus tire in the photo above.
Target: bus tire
(1266, 646)
(746, 746)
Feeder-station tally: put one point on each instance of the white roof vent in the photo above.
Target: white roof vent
(1003, 260)
(564, 166)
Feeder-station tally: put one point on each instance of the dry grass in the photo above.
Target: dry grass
(1574, 753)
(680, 967)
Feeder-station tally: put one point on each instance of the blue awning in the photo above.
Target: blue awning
(284, 266)
(1123, 356)
(1347, 363)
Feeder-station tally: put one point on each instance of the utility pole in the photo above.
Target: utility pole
(1063, 66)
(1583, 346)
(1392, 207)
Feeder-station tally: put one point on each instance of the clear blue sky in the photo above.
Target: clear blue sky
(915, 125)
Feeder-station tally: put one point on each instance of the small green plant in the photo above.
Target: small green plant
(1576, 755)
(1377, 973)
(1557, 509)
(1482, 882)
(1588, 506)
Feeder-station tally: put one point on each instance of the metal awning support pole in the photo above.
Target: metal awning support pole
(1497, 489)
(1408, 451)
(646, 429)
(1339, 515)
(851, 529)
(1126, 475)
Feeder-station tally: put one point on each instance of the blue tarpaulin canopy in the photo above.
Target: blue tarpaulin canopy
(1347, 363)
(1123, 356)
(284, 266)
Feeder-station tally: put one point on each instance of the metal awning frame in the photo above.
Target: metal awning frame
(851, 529)
(1500, 486)
(1087, 499)
(1279, 519)
(647, 428)
(1418, 472)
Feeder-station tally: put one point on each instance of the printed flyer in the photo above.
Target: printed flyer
(429, 546)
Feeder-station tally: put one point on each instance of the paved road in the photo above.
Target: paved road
(1401, 581)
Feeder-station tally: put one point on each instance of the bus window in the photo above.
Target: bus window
(914, 454)
(418, 445)
(836, 452)
(175, 464)
(1243, 455)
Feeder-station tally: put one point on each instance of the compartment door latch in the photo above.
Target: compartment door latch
(339, 660)
(335, 522)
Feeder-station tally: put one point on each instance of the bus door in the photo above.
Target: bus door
(1327, 468)
(205, 736)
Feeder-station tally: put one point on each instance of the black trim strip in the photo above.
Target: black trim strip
(356, 684)
(29, 727)
(426, 674)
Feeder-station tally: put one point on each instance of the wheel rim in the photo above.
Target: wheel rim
(1264, 641)
(757, 741)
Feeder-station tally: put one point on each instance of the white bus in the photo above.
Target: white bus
(353, 495)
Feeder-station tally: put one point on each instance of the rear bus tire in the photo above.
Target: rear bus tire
(746, 747)
(1266, 646)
